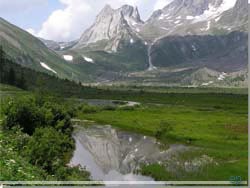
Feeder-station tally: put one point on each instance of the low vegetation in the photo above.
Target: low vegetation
(214, 123)
(38, 133)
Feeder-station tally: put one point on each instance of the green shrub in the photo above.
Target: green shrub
(24, 113)
(49, 149)
(72, 174)
(29, 114)
(109, 107)
(90, 109)
(164, 129)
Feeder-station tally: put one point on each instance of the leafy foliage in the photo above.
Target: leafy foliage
(164, 129)
(44, 140)
(49, 148)
(24, 113)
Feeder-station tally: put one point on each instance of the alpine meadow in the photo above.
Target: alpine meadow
(130, 101)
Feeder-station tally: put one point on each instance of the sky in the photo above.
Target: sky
(65, 20)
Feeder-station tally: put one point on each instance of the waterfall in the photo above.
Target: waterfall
(151, 67)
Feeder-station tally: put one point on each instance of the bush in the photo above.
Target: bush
(164, 130)
(49, 149)
(90, 109)
(24, 113)
(72, 174)
(109, 108)
(28, 113)
(50, 144)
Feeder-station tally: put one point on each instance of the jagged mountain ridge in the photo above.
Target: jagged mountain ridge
(113, 26)
(57, 46)
(197, 17)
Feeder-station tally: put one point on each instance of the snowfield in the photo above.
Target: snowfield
(44, 65)
(68, 57)
(208, 83)
(189, 17)
(88, 59)
(214, 12)
(222, 76)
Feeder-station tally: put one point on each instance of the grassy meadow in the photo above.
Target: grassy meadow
(214, 122)
(211, 120)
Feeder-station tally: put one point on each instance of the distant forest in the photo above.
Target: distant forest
(10, 75)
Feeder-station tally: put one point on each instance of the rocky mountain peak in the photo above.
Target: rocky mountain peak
(112, 24)
(106, 11)
(130, 12)
(194, 17)
(241, 4)
(192, 7)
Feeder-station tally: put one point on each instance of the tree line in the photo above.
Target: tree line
(8, 74)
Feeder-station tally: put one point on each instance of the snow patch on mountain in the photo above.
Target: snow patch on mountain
(217, 19)
(194, 48)
(213, 12)
(189, 17)
(44, 65)
(164, 28)
(207, 83)
(68, 57)
(208, 25)
(222, 76)
(178, 21)
(88, 59)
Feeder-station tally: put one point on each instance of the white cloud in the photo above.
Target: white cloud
(70, 22)
(161, 4)
(65, 24)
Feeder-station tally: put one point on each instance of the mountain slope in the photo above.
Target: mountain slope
(29, 51)
(57, 46)
(196, 17)
(222, 53)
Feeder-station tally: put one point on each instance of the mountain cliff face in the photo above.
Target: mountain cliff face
(197, 17)
(224, 53)
(112, 27)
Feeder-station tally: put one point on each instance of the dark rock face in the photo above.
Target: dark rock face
(228, 52)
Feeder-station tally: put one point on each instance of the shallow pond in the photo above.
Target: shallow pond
(110, 154)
